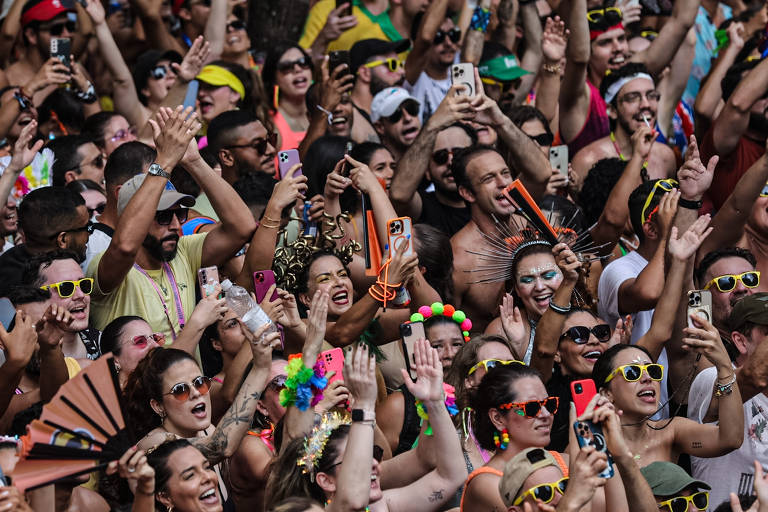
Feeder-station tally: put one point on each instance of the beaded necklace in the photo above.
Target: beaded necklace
(621, 155)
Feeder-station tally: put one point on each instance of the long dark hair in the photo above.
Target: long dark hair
(433, 247)
(604, 364)
(110, 336)
(145, 384)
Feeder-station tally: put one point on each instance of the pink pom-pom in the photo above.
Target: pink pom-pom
(466, 325)
(425, 311)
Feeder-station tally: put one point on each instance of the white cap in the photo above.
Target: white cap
(386, 102)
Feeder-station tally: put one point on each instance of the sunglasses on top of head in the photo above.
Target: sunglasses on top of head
(288, 65)
(165, 217)
(579, 334)
(182, 390)
(454, 35)
(605, 18)
(409, 106)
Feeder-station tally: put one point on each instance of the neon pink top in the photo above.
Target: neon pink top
(290, 139)
(596, 126)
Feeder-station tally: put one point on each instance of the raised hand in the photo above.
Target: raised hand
(51, 327)
(335, 183)
(362, 176)
(512, 322)
(23, 154)
(193, 61)
(289, 189)
(290, 318)
(334, 395)
(209, 310)
(261, 344)
(685, 247)
(694, 177)
(704, 339)
(622, 334)
(554, 39)
(401, 267)
(20, 344)
(336, 24)
(273, 308)
(360, 377)
(335, 82)
(12, 500)
(567, 261)
(486, 110)
(429, 373)
(173, 130)
(53, 72)
(584, 478)
(666, 211)
(96, 11)
(642, 142)
(455, 107)
(317, 319)
(736, 33)
(556, 182)
(133, 465)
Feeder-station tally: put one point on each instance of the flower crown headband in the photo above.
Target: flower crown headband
(446, 310)
(314, 443)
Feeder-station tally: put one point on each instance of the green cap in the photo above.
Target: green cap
(504, 68)
(752, 308)
(668, 479)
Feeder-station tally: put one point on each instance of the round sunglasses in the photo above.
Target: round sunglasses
(454, 35)
(532, 408)
(182, 390)
(633, 372)
(699, 500)
(66, 289)
(440, 157)
(727, 282)
(544, 492)
(579, 334)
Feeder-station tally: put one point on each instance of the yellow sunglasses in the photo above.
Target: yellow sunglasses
(764, 192)
(633, 372)
(727, 282)
(66, 289)
(609, 16)
(699, 500)
(492, 363)
(392, 63)
(666, 185)
(544, 492)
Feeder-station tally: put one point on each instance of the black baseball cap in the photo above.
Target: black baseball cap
(363, 50)
(146, 62)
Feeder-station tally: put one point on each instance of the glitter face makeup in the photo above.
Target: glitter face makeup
(546, 272)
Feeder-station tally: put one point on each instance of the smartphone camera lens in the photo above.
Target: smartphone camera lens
(578, 388)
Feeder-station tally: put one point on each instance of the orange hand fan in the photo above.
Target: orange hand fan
(517, 194)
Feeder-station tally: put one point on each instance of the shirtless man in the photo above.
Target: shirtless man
(632, 101)
(481, 174)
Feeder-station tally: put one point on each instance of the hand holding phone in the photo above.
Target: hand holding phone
(262, 281)
(587, 432)
(699, 304)
(286, 160)
(410, 332)
(61, 48)
(464, 74)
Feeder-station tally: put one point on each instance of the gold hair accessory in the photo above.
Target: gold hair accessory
(314, 443)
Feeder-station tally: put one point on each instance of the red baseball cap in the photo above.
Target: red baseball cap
(44, 10)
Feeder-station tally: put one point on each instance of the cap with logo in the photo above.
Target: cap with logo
(363, 50)
(386, 102)
(668, 479)
(519, 468)
(504, 68)
(752, 308)
(169, 197)
(44, 10)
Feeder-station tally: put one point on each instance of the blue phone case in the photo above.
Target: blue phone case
(587, 433)
(190, 99)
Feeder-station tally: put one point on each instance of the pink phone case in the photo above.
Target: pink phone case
(334, 361)
(262, 280)
(287, 159)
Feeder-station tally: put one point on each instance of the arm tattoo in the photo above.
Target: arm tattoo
(214, 448)
(436, 496)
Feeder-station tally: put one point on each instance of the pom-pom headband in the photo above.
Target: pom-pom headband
(614, 88)
(446, 310)
(314, 443)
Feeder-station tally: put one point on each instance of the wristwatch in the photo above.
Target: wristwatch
(156, 170)
(690, 205)
(361, 415)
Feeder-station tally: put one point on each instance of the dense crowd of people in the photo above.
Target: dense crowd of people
(412, 255)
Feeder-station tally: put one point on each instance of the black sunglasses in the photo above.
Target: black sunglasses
(543, 139)
(99, 209)
(165, 217)
(58, 29)
(182, 390)
(579, 334)
(158, 72)
(454, 35)
(440, 157)
(410, 106)
(236, 25)
(88, 227)
(260, 144)
(603, 19)
(288, 65)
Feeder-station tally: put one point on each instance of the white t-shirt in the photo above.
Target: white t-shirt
(627, 267)
(429, 92)
(733, 472)
(98, 242)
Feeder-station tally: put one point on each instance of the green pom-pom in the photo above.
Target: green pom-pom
(304, 375)
(437, 308)
(417, 317)
(465, 333)
(459, 316)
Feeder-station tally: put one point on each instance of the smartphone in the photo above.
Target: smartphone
(262, 280)
(558, 159)
(590, 434)
(409, 333)
(7, 314)
(334, 361)
(348, 10)
(190, 98)
(310, 226)
(699, 303)
(208, 278)
(464, 73)
(61, 48)
(286, 160)
(345, 165)
(582, 392)
(337, 58)
(399, 231)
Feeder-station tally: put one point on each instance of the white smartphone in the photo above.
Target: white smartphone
(558, 159)
(464, 73)
(700, 304)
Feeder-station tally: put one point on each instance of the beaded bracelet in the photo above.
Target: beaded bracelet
(726, 389)
(559, 309)
(303, 386)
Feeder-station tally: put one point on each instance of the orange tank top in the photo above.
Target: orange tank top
(493, 471)
(290, 139)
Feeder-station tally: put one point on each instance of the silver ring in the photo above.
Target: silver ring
(131, 470)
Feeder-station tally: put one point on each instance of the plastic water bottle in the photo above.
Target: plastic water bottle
(249, 311)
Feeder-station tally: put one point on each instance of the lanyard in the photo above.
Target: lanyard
(186, 39)
(176, 296)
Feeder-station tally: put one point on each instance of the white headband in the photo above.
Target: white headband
(614, 89)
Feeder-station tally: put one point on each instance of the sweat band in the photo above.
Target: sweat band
(217, 75)
(614, 88)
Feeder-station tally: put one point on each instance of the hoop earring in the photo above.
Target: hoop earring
(501, 439)
(276, 96)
